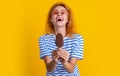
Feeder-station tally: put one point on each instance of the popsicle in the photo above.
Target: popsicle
(59, 40)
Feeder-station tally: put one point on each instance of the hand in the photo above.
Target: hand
(55, 56)
(64, 55)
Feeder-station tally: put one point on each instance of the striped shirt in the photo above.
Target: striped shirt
(73, 45)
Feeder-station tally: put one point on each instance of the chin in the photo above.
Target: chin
(61, 24)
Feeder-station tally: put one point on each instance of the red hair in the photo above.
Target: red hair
(69, 26)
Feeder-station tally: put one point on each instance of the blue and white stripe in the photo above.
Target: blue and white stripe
(74, 46)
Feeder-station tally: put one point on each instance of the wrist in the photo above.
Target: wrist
(64, 63)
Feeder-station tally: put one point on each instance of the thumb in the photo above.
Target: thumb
(60, 49)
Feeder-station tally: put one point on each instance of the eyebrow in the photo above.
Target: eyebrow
(63, 10)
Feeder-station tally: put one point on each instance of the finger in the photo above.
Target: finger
(60, 49)
(66, 52)
(61, 60)
(55, 52)
(62, 53)
(63, 56)
(56, 56)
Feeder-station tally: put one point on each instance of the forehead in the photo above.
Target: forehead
(59, 8)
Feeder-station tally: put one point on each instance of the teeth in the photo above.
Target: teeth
(59, 19)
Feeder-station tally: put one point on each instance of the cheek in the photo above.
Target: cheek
(66, 18)
(53, 17)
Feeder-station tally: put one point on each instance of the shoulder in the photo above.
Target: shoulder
(77, 36)
(77, 39)
(45, 36)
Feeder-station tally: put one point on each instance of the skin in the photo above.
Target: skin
(60, 27)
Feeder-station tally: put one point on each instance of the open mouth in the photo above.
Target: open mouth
(60, 19)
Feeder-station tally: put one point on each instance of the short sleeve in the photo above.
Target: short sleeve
(43, 49)
(77, 47)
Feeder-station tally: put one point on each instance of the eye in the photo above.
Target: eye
(55, 12)
(63, 12)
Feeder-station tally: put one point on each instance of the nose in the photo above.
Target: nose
(59, 14)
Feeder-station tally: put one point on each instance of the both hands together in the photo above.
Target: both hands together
(60, 55)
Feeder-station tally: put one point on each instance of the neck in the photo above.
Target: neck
(61, 30)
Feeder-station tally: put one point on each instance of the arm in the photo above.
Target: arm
(51, 63)
(77, 53)
(68, 65)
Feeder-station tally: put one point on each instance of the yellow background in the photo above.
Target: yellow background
(23, 21)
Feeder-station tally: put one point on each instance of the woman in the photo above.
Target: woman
(61, 62)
